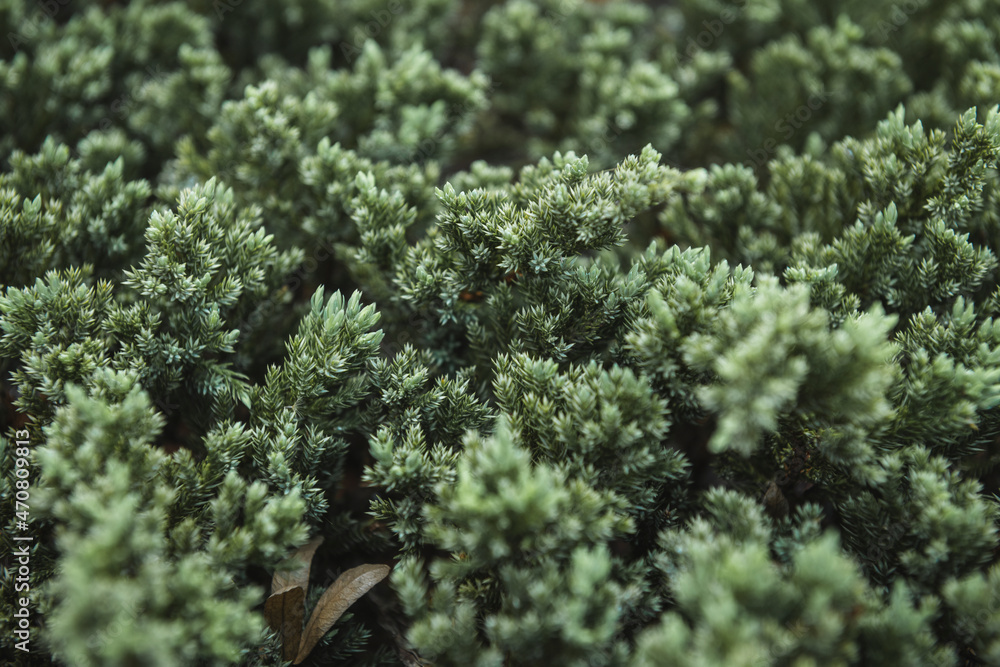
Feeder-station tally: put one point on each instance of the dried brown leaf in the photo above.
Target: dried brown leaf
(296, 572)
(285, 609)
(775, 502)
(285, 612)
(335, 600)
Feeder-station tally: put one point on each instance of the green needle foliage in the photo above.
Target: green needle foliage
(627, 333)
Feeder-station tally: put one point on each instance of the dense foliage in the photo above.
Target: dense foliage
(627, 333)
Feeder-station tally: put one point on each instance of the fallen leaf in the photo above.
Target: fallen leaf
(285, 612)
(335, 600)
(285, 609)
(775, 502)
(296, 573)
